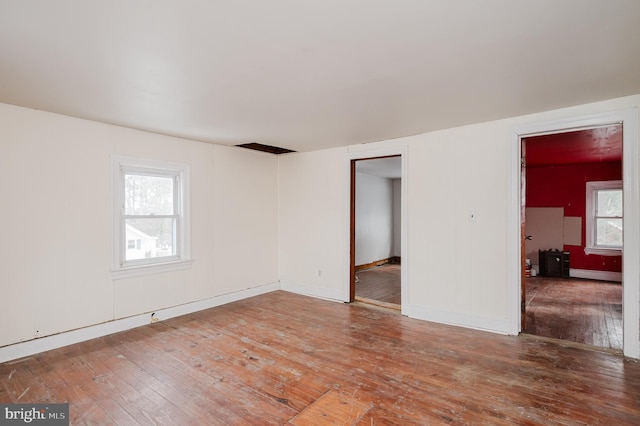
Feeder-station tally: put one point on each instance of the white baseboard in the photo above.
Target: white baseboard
(319, 292)
(493, 325)
(31, 347)
(595, 275)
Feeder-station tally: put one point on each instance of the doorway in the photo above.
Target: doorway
(572, 247)
(376, 224)
(631, 205)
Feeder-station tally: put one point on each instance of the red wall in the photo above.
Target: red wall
(564, 186)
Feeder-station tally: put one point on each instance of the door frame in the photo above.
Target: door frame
(631, 232)
(372, 153)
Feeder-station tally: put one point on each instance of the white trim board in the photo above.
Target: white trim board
(35, 346)
(493, 325)
(631, 174)
(595, 275)
(334, 295)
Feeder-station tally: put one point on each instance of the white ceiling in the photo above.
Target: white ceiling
(389, 167)
(307, 75)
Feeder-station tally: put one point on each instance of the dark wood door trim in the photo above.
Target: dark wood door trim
(523, 203)
(352, 235)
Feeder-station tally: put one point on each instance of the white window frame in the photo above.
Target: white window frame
(590, 218)
(120, 268)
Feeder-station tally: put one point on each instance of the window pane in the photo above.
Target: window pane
(609, 232)
(153, 237)
(145, 195)
(609, 202)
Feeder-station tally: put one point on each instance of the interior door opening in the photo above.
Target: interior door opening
(571, 236)
(375, 264)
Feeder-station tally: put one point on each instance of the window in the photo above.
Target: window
(150, 216)
(604, 219)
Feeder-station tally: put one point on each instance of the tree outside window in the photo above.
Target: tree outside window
(151, 227)
(604, 218)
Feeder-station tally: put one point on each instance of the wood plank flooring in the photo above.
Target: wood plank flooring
(282, 358)
(577, 310)
(381, 283)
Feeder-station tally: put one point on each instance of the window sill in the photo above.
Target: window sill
(137, 271)
(603, 251)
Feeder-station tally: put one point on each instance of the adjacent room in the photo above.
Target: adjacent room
(573, 226)
(293, 212)
(378, 248)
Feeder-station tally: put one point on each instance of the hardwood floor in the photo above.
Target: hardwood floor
(381, 283)
(577, 310)
(282, 358)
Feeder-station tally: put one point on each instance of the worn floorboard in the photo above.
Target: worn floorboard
(282, 358)
(381, 283)
(576, 310)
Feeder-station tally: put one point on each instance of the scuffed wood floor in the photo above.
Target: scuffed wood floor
(282, 358)
(576, 310)
(381, 283)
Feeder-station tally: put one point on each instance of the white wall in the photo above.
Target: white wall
(313, 197)
(457, 268)
(251, 208)
(397, 222)
(374, 218)
(454, 264)
(545, 225)
(54, 259)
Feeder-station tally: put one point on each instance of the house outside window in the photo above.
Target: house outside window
(604, 218)
(150, 216)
